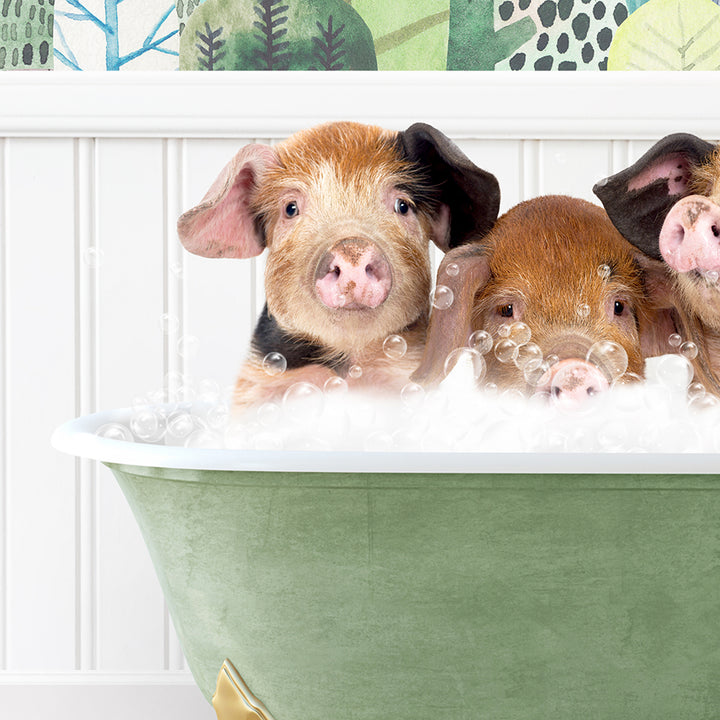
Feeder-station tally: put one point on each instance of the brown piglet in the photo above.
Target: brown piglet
(563, 296)
(346, 213)
(668, 205)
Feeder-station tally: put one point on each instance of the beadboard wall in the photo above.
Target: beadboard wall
(98, 303)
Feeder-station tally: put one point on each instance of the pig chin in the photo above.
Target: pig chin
(702, 295)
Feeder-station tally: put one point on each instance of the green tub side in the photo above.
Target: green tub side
(415, 597)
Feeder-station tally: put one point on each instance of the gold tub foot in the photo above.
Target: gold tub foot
(233, 700)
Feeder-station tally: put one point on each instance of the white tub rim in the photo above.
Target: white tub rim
(78, 437)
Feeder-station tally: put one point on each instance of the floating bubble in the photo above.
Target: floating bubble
(146, 425)
(673, 372)
(504, 330)
(537, 374)
(506, 350)
(169, 323)
(552, 359)
(93, 257)
(335, 386)
(609, 357)
(583, 310)
(274, 363)
(689, 350)
(452, 269)
(695, 389)
(627, 379)
(481, 340)
(188, 346)
(355, 372)
(269, 414)
(394, 347)
(180, 424)
(412, 394)
(711, 276)
(528, 356)
(442, 297)
(303, 401)
(604, 271)
(467, 359)
(115, 431)
(519, 333)
(675, 340)
(704, 402)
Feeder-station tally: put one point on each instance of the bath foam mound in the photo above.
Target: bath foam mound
(665, 413)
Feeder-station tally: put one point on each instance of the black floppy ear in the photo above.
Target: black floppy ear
(471, 194)
(639, 198)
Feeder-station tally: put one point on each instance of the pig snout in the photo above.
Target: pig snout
(690, 236)
(353, 274)
(573, 381)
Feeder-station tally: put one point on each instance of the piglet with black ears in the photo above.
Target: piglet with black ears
(346, 212)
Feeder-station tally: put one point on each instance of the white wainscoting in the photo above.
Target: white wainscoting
(94, 170)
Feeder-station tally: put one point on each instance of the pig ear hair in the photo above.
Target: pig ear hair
(638, 198)
(471, 194)
(450, 328)
(223, 224)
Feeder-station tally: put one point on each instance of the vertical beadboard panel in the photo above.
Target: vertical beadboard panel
(130, 341)
(40, 394)
(87, 263)
(3, 410)
(572, 167)
(219, 307)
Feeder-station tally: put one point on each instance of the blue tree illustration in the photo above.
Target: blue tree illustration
(109, 27)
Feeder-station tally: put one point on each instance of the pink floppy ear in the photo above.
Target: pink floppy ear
(223, 224)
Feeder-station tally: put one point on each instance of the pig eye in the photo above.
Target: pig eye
(291, 210)
(619, 307)
(506, 311)
(402, 207)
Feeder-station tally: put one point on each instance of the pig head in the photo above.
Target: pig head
(558, 266)
(668, 205)
(345, 212)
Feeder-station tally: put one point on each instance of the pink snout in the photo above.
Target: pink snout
(572, 382)
(690, 236)
(354, 274)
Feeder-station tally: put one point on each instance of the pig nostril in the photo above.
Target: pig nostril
(591, 391)
(716, 231)
(556, 391)
(335, 271)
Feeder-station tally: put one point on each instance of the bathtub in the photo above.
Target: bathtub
(355, 586)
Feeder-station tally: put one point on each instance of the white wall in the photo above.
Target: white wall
(94, 170)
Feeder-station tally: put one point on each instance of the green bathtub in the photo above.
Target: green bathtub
(360, 586)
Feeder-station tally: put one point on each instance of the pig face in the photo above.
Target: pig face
(558, 266)
(668, 205)
(346, 213)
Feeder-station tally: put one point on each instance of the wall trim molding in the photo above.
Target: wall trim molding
(578, 105)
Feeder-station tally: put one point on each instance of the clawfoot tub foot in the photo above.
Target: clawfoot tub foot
(233, 700)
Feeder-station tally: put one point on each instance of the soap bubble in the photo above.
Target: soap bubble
(481, 340)
(335, 386)
(217, 416)
(528, 356)
(711, 276)
(506, 350)
(302, 402)
(93, 257)
(703, 402)
(609, 357)
(583, 310)
(604, 271)
(355, 372)
(468, 359)
(188, 346)
(674, 372)
(269, 414)
(394, 347)
(519, 333)
(536, 374)
(675, 340)
(180, 424)
(115, 431)
(274, 363)
(412, 394)
(452, 269)
(146, 425)
(203, 438)
(695, 389)
(169, 323)
(504, 330)
(689, 350)
(442, 297)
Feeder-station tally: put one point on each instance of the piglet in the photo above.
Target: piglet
(668, 205)
(346, 212)
(562, 295)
